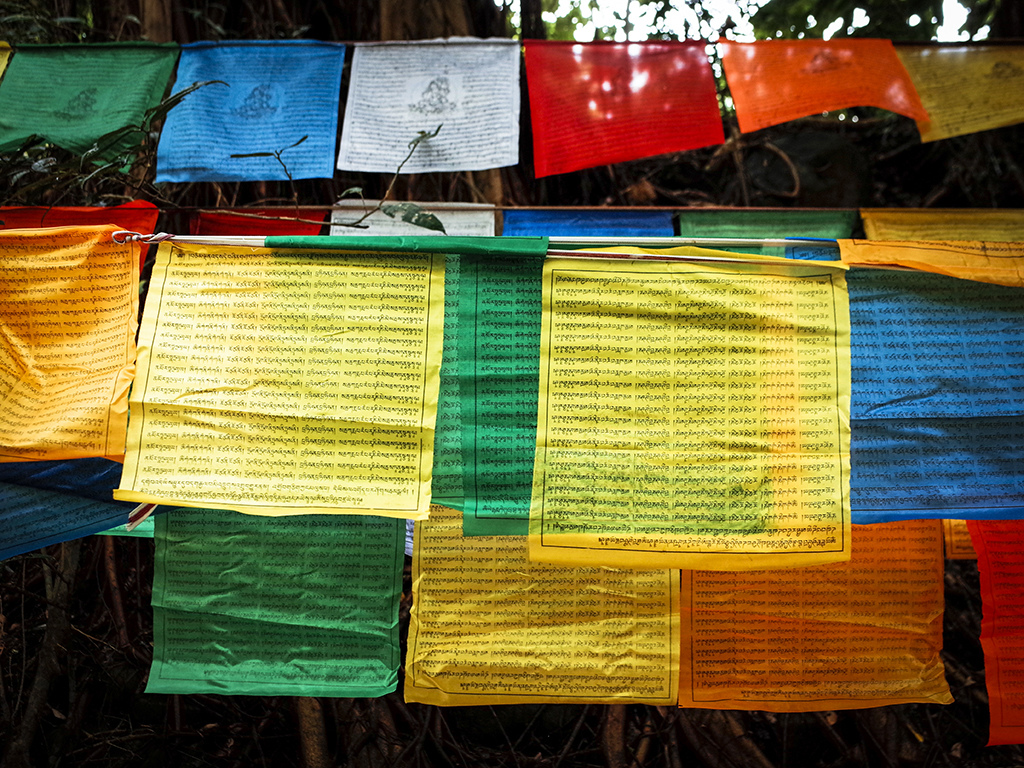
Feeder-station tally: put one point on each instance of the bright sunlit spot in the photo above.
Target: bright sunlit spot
(684, 21)
(638, 81)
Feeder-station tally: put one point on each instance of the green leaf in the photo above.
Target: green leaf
(352, 191)
(411, 213)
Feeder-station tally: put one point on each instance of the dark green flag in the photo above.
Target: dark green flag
(513, 247)
(305, 605)
(499, 366)
(72, 95)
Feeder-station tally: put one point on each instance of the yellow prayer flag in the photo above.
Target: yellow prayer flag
(490, 627)
(69, 299)
(966, 89)
(986, 262)
(287, 382)
(866, 633)
(693, 415)
(999, 225)
(957, 540)
(5, 56)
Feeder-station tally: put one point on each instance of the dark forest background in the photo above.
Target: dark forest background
(75, 621)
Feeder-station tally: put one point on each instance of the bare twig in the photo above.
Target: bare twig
(58, 629)
(423, 136)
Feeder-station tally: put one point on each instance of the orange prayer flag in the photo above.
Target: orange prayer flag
(600, 103)
(69, 303)
(1000, 544)
(773, 81)
(865, 633)
(987, 262)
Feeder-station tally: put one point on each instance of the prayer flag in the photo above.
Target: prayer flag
(351, 218)
(601, 103)
(136, 216)
(937, 412)
(988, 224)
(47, 502)
(298, 606)
(31, 518)
(966, 88)
(144, 530)
(865, 633)
(488, 626)
(93, 479)
(772, 223)
(1001, 571)
(278, 99)
(69, 300)
(773, 81)
(293, 383)
(464, 90)
(957, 540)
(71, 95)
(692, 414)
(258, 221)
(569, 223)
(989, 262)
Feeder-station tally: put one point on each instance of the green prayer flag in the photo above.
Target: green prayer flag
(144, 530)
(770, 224)
(513, 247)
(302, 605)
(446, 477)
(72, 95)
(499, 365)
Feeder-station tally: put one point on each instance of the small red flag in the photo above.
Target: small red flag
(259, 221)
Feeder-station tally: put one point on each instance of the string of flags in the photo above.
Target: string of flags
(268, 110)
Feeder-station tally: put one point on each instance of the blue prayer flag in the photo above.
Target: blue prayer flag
(622, 223)
(47, 502)
(937, 408)
(32, 518)
(277, 96)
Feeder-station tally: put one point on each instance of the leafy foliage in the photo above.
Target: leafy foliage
(885, 18)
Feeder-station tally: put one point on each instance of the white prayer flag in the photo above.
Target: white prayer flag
(459, 219)
(467, 86)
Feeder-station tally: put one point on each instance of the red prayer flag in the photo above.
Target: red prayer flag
(247, 221)
(135, 216)
(1000, 547)
(138, 216)
(600, 103)
(773, 81)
